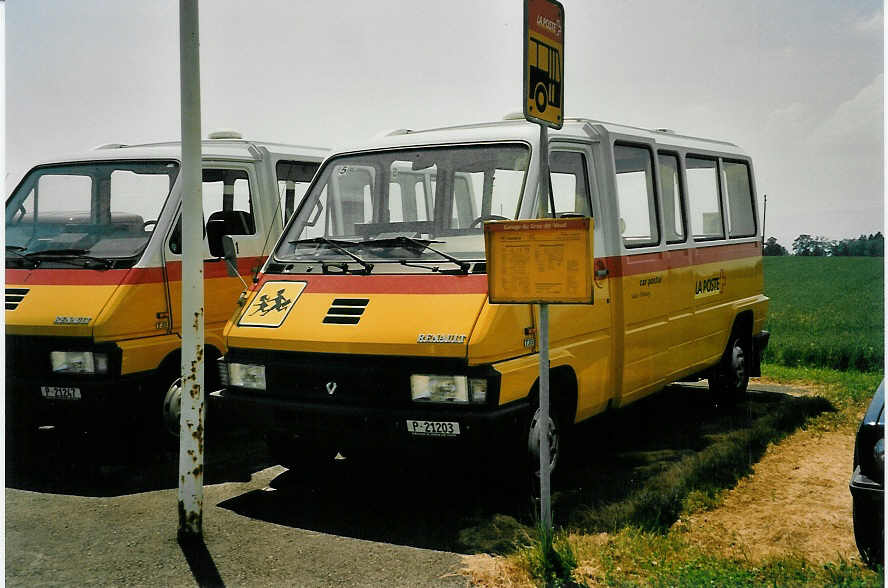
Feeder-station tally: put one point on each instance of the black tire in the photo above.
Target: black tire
(729, 380)
(295, 453)
(540, 97)
(869, 530)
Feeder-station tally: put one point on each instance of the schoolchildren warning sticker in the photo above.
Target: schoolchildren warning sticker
(272, 305)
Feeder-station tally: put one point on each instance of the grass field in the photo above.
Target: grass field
(826, 320)
(639, 545)
(826, 312)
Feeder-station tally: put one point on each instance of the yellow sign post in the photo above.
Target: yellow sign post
(542, 261)
(544, 62)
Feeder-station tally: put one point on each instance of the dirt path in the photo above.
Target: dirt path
(796, 503)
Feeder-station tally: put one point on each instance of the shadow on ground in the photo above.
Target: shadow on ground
(121, 462)
(634, 466)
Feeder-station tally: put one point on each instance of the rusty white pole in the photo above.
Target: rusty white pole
(191, 430)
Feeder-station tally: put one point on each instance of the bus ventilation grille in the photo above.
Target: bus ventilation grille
(346, 311)
(14, 297)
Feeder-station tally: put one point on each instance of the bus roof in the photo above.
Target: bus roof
(224, 149)
(513, 128)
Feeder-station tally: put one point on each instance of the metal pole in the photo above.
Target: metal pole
(546, 199)
(191, 430)
(545, 472)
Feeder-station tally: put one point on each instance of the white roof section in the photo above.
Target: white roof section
(519, 129)
(222, 149)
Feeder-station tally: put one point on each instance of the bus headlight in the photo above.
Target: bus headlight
(78, 362)
(245, 375)
(447, 389)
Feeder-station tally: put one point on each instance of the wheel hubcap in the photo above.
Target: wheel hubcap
(172, 407)
(533, 441)
(738, 362)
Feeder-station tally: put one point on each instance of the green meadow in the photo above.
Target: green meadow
(825, 312)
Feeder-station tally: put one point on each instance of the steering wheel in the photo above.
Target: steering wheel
(148, 223)
(481, 219)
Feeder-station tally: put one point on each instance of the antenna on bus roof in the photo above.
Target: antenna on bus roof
(514, 116)
(109, 146)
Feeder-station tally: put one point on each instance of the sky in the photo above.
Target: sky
(798, 84)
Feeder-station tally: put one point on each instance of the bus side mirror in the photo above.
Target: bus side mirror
(229, 252)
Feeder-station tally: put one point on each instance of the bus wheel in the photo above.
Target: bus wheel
(541, 98)
(552, 430)
(729, 379)
(172, 408)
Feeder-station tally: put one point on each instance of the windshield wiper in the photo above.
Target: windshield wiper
(338, 246)
(422, 244)
(16, 250)
(67, 256)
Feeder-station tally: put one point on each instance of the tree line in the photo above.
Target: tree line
(818, 246)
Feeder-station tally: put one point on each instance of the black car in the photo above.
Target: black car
(867, 482)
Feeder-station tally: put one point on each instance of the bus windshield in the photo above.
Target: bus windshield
(102, 209)
(390, 205)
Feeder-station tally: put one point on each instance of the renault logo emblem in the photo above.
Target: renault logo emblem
(331, 388)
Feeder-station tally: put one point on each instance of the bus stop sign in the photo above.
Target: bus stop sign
(544, 62)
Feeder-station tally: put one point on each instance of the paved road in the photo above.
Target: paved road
(95, 511)
(74, 521)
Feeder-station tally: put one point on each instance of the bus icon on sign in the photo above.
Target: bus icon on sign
(543, 91)
(544, 73)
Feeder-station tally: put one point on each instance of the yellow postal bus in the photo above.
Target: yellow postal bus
(370, 324)
(93, 271)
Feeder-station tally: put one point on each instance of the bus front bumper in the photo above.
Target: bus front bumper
(411, 428)
(68, 402)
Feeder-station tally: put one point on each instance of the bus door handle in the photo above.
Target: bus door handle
(600, 270)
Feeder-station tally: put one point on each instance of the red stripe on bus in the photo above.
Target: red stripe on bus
(630, 265)
(114, 277)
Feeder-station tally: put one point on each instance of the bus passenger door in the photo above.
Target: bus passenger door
(580, 334)
(644, 277)
(229, 208)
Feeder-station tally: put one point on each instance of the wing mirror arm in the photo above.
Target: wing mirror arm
(229, 253)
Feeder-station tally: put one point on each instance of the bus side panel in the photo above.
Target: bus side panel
(136, 310)
(645, 284)
(220, 290)
(722, 276)
(681, 313)
(502, 331)
(580, 336)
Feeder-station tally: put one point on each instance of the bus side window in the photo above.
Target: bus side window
(741, 220)
(704, 200)
(635, 196)
(671, 190)
(227, 199)
(570, 184)
(293, 178)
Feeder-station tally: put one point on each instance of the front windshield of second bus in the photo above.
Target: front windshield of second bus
(425, 204)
